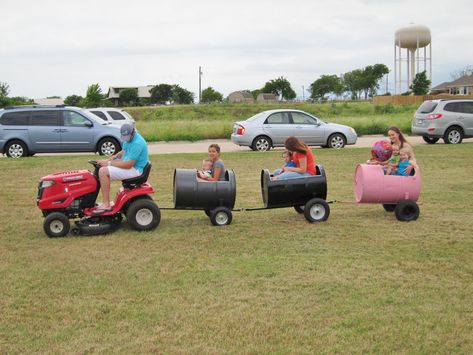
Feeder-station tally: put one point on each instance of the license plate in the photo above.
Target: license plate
(420, 121)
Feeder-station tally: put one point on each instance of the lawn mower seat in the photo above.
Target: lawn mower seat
(137, 181)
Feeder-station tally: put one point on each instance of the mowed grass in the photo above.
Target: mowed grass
(270, 282)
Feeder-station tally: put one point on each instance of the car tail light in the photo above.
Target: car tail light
(434, 116)
(240, 130)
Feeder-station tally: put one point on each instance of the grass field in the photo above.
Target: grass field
(270, 282)
(196, 122)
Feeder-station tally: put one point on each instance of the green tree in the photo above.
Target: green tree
(73, 100)
(160, 94)
(94, 96)
(182, 96)
(352, 82)
(255, 93)
(324, 85)
(281, 88)
(420, 84)
(210, 95)
(129, 96)
(4, 90)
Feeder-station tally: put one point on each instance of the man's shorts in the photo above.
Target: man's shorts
(122, 174)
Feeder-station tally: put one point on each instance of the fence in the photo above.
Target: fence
(412, 100)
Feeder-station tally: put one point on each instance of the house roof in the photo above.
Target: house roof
(442, 86)
(466, 80)
(268, 96)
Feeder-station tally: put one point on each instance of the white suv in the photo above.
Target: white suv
(450, 119)
(112, 115)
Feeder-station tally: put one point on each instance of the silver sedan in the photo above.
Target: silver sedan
(271, 128)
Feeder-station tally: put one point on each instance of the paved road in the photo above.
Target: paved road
(227, 146)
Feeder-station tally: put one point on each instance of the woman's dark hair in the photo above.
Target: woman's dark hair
(401, 136)
(295, 145)
(216, 146)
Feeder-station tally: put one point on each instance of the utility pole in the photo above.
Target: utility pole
(200, 84)
(303, 94)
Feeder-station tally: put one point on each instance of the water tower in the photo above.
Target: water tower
(413, 38)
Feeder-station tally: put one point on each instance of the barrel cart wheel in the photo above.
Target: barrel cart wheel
(407, 210)
(389, 207)
(221, 216)
(299, 209)
(143, 215)
(56, 225)
(316, 210)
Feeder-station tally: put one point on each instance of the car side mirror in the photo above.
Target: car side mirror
(88, 124)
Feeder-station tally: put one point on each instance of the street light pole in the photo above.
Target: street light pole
(200, 84)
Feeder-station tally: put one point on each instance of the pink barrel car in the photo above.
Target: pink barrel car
(395, 193)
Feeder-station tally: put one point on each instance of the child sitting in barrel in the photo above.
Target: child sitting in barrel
(287, 156)
(393, 162)
(206, 169)
(405, 161)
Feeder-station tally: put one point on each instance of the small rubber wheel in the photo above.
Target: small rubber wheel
(75, 231)
(316, 210)
(108, 147)
(453, 135)
(299, 209)
(389, 207)
(261, 144)
(221, 216)
(407, 210)
(143, 214)
(430, 140)
(336, 141)
(16, 149)
(56, 225)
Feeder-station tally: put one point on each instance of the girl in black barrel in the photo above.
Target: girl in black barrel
(302, 157)
(218, 168)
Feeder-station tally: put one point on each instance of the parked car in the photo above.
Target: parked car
(271, 128)
(26, 130)
(450, 119)
(113, 115)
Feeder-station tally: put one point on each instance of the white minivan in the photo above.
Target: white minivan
(112, 115)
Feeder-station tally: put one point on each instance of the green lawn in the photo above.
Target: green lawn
(270, 282)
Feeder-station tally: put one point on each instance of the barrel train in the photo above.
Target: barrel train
(72, 196)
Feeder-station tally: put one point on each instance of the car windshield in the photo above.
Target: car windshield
(427, 107)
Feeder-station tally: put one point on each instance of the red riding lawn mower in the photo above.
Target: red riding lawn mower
(72, 195)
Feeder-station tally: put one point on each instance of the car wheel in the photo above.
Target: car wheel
(430, 140)
(108, 147)
(221, 216)
(261, 144)
(143, 214)
(316, 210)
(389, 207)
(336, 141)
(56, 225)
(407, 210)
(453, 135)
(16, 149)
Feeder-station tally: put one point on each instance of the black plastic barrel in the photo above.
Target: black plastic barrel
(293, 192)
(189, 193)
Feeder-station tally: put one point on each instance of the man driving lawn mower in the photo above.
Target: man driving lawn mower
(127, 164)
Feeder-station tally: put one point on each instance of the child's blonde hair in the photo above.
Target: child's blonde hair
(406, 150)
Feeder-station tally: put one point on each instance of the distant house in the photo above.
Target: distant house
(51, 102)
(461, 86)
(266, 98)
(114, 92)
(440, 89)
(241, 97)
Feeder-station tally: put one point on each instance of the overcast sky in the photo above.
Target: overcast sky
(59, 47)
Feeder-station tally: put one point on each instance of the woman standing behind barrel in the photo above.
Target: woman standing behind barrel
(218, 168)
(396, 137)
(302, 156)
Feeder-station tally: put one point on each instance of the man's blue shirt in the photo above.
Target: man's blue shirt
(136, 150)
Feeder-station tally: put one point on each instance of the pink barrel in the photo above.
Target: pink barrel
(372, 186)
